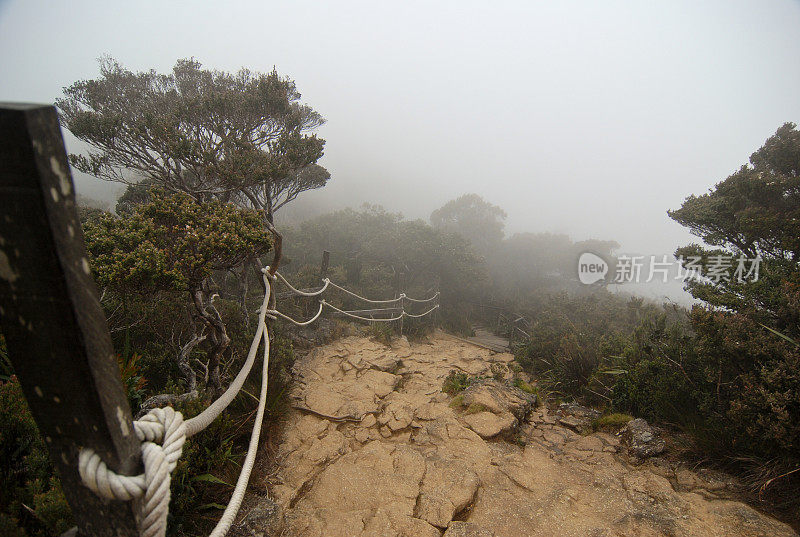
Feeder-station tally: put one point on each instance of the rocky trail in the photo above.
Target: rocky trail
(373, 447)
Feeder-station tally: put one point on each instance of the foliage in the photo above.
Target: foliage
(543, 263)
(573, 335)
(31, 500)
(746, 381)
(455, 382)
(211, 460)
(240, 137)
(171, 243)
(525, 386)
(133, 381)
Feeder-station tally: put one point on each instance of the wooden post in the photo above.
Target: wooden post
(55, 329)
(399, 289)
(323, 269)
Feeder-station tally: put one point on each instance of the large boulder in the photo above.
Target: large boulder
(642, 440)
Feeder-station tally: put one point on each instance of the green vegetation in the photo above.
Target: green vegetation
(218, 154)
(726, 372)
(612, 422)
(376, 253)
(526, 387)
(475, 408)
(31, 500)
(457, 401)
(455, 382)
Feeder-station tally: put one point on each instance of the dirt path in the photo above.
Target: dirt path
(393, 456)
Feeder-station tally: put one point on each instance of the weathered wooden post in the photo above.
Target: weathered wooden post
(55, 329)
(323, 269)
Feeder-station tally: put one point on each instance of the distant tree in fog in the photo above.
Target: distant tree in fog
(473, 218)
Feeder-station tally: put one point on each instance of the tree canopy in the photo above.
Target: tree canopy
(243, 137)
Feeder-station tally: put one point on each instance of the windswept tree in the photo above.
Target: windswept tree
(474, 219)
(240, 137)
(754, 213)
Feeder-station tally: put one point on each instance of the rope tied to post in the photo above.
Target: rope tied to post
(162, 433)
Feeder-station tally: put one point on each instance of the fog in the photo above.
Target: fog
(586, 118)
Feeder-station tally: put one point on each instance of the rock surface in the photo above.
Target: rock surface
(641, 440)
(374, 448)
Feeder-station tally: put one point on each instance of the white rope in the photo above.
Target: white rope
(297, 323)
(150, 491)
(382, 319)
(304, 293)
(351, 293)
(229, 515)
(419, 301)
(163, 432)
(406, 314)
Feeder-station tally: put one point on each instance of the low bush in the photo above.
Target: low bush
(31, 501)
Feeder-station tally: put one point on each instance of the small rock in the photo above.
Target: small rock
(641, 440)
(362, 435)
(576, 417)
(499, 398)
(264, 518)
(385, 432)
(573, 423)
(368, 421)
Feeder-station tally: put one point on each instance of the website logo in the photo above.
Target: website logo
(591, 268)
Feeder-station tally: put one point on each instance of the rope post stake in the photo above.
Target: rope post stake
(56, 332)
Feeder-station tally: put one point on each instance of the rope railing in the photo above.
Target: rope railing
(351, 293)
(163, 431)
(402, 298)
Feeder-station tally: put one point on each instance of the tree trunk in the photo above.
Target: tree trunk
(218, 335)
(187, 373)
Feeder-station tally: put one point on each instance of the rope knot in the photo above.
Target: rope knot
(162, 433)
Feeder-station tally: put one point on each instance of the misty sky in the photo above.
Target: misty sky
(589, 118)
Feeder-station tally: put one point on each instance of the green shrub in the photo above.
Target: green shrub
(475, 408)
